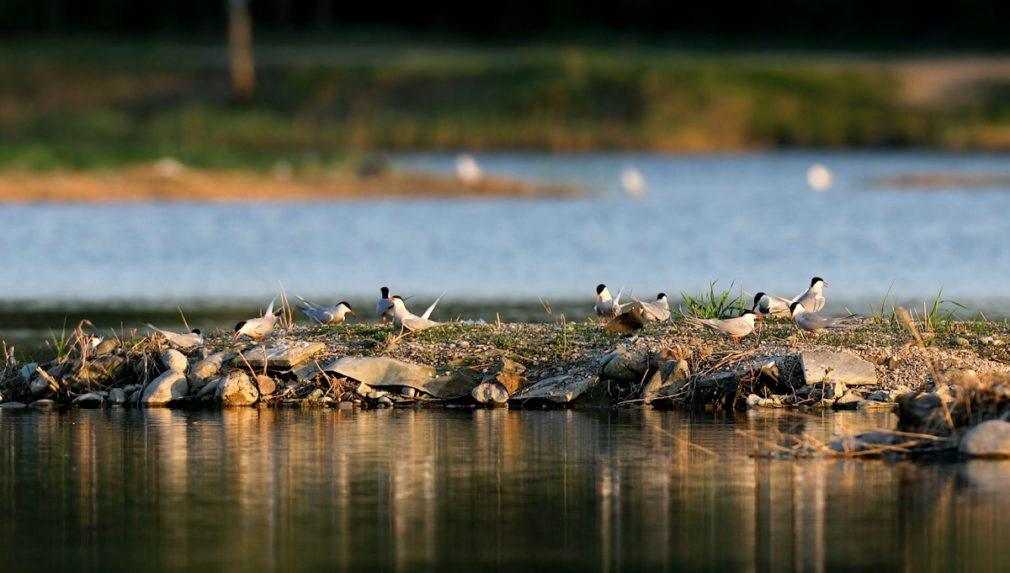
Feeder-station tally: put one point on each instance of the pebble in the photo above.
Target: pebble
(12, 406)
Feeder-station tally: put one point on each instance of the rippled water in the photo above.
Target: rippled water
(285, 490)
(744, 218)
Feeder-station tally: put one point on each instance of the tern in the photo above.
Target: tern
(257, 328)
(384, 307)
(187, 341)
(736, 328)
(812, 299)
(658, 310)
(606, 305)
(633, 182)
(325, 314)
(467, 169)
(813, 322)
(409, 320)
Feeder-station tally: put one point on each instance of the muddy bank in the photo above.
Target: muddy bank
(171, 181)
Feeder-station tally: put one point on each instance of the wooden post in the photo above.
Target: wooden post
(240, 50)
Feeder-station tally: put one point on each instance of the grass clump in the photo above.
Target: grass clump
(716, 303)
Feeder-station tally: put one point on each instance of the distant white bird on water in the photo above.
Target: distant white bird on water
(819, 177)
(325, 314)
(257, 328)
(633, 182)
(186, 341)
(409, 320)
(467, 169)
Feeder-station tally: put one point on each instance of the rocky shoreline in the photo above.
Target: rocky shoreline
(878, 366)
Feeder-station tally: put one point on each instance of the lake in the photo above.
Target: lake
(286, 490)
(749, 220)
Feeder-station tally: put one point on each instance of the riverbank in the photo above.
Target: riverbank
(98, 103)
(168, 180)
(666, 364)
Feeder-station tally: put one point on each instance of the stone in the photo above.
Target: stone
(962, 342)
(557, 389)
(207, 369)
(12, 406)
(381, 372)
(117, 396)
(27, 371)
(174, 360)
(919, 413)
(209, 389)
(625, 365)
(106, 346)
(490, 393)
(265, 385)
(43, 404)
(345, 405)
(164, 389)
(753, 400)
(282, 356)
(237, 389)
(40, 387)
(848, 401)
(103, 369)
(384, 402)
(89, 400)
(498, 387)
(669, 377)
(873, 406)
(990, 439)
(837, 366)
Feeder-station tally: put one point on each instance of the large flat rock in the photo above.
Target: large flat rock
(283, 356)
(379, 372)
(562, 389)
(837, 366)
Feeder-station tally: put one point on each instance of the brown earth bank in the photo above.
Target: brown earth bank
(169, 181)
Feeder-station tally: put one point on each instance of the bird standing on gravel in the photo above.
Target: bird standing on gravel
(325, 314)
(187, 341)
(384, 306)
(606, 305)
(812, 298)
(409, 320)
(813, 322)
(658, 309)
(736, 327)
(257, 328)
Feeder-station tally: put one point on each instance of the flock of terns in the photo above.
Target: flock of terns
(803, 309)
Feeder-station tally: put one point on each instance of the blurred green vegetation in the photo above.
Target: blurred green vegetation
(92, 103)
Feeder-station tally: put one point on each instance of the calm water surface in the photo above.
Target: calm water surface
(745, 218)
(286, 490)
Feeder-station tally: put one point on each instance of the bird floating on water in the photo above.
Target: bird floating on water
(819, 177)
(184, 341)
(334, 314)
(257, 328)
(467, 169)
(633, 182)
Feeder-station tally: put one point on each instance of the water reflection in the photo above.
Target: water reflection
(292, 489)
